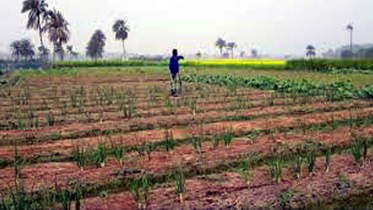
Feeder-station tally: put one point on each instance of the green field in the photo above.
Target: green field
(113, 136)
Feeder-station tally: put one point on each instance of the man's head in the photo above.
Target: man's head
(174, 52)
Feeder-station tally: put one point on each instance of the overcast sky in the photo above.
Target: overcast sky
(157, 26)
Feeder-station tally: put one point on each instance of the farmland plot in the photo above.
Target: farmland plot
(122, 142)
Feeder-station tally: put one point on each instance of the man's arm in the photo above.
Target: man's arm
(181, 57)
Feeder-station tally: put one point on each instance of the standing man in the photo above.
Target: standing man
(174, 70)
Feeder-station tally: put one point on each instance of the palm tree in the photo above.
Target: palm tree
(43, 53)
(69, 49)
(15, 47)
(72, 53)
(36, 10)
(96, 45)
(198, 54)
(27, 49)
(350, 28)
(58, 49)
(22, 48)
(220, 43)
(121, 32)
(310, 51)
(242, 54)
(254, 53)
(58, 33)
(231, 46)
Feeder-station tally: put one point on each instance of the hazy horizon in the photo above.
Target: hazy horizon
(271, 26)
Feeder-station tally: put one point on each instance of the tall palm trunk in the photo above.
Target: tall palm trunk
(40, 33)
(221, 51)
(351, 40)
(124, 51)
(54, 52)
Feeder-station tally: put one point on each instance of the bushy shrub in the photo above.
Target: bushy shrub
(328, 64)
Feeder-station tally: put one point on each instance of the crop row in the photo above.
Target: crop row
(329, 64)
(300, 64)
(11, 119)
(277, 159)
(332, 91)
(107, 63)
(235, 63)
(108, 96)
(133, 142)
(80, 129)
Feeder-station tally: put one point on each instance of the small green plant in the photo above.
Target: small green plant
(193, 106)
(127, 103)
(108, 95)
(169, 142)
(253, 135)
(141, 149)
(271, 101)
(365, 149)
(284, 198)
(55, 97)
(298, 160)
(311, 157)
(76, 192)
(33, 119)
(275, 165)
(96, 96)
(44, 102)
(216, 139)
(240, 102)
(301, 124)
(80, 158)
(19, 198)
(18, 164)
(328, 155)
(180, 184)
(73, 99)
(21, 124)
(197, 142)
(232, 88)
(244, 171)
(55, 135)
(119, 154)
(228, 137)
(356, 151)
(51, 119)
(83, 113)
(344, 182)
(25, 96)
(100, 155)
(82, 95)
(140, 188)
(80, 153)
(66, 200)
(170, 106)
(350, 121)
(117, 151)
(153, 95)
(135, 188)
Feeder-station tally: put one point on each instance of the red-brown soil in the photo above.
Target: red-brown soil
(163, 162)
(227, 190)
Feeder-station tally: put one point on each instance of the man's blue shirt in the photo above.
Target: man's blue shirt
(174, 64)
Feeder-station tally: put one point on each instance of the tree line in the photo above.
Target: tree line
(229, 47)
(54, 25)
